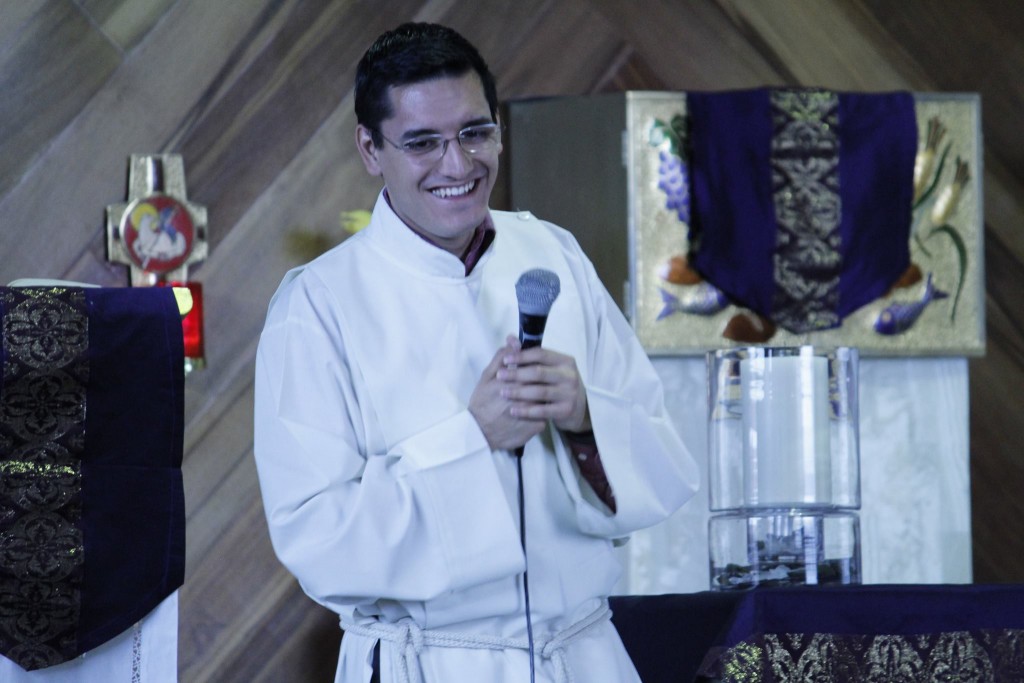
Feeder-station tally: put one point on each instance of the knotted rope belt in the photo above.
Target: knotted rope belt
(410, 640)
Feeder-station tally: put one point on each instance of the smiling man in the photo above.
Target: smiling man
(392, 398)
(442, 194)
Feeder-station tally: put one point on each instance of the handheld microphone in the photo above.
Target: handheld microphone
(536, 291)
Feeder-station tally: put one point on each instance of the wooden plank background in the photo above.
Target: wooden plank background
(256, 95)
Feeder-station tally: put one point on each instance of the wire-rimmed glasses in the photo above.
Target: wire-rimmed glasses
(474, 140)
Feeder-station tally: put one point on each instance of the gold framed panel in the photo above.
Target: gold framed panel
(946, 242)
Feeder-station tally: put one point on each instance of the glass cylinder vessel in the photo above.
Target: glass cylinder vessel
(783, 429)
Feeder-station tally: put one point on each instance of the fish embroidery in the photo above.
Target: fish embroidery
(900, 316)
(701, 299)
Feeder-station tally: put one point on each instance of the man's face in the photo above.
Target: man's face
(443, 200)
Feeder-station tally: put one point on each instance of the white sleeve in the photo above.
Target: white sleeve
(354, 527)
(650, 470)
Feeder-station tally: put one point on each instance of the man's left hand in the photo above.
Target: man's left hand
(543, 384)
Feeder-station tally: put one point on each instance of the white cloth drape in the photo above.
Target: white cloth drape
(145, 653)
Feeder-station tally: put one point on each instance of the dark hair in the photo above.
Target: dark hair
(412, 53)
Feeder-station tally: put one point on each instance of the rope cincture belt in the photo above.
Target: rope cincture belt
(411, 639)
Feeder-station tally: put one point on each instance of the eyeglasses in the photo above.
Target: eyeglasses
(473, 140)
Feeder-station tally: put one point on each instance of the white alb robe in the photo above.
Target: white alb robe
(381, 493)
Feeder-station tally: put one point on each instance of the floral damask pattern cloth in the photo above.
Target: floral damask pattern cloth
(42, 431)
(804, 157)
(982, 656)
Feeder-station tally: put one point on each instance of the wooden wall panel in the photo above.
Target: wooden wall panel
(141, 104)
(576, 40)
(125, 22)
(256, 95)
(15, 17)
(962, 51)
(997, 460)
(817, 44)
(675, 40)
(43, 87)
(301, 75)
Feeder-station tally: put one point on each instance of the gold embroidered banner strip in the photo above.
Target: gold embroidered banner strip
(805, 190)
(45, 335)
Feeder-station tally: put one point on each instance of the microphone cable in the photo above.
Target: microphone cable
(526, 568)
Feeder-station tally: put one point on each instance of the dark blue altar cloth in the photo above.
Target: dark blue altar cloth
(842, 633)
(91, 435)
(876, 609)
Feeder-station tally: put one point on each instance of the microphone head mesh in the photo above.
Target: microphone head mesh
(537, 290)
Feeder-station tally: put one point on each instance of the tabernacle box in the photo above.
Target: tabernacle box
(617, 170)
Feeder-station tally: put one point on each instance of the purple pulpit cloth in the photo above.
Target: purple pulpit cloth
(801, 198)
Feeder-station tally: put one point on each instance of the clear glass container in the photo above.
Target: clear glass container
(783, 429)
(784, 549)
